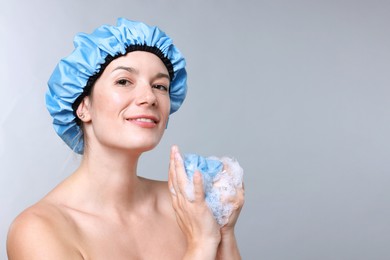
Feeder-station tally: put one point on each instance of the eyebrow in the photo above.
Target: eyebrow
(135, 71)
(162, 75)
(129, 69)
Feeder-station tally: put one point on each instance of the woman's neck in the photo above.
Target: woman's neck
(108, 181)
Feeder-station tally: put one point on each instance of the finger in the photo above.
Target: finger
(198, 186)
(170, 184)
(176, 189)
(175, 203)
(171, 175)
(171, 189)
(172, 171)
(181, 176)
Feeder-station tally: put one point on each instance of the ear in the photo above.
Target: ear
(83, 110)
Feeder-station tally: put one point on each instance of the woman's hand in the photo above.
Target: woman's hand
(237, 201)
(228, 248)
(194, 217)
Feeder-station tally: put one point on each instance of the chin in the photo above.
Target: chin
(141, 145)
(137, 142)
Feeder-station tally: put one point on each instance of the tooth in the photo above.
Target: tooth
(144, 120)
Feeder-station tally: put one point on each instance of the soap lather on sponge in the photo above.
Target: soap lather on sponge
(221, 177)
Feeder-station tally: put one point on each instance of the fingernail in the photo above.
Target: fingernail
(175, 148)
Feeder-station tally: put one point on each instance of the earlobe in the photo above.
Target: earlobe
(82, 111)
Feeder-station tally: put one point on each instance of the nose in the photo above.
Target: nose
(145, 95)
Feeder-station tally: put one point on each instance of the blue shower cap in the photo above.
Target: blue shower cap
(73, 76)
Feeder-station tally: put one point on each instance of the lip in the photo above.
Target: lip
(145, 121)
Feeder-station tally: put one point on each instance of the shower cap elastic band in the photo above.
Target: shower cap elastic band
(75, 74)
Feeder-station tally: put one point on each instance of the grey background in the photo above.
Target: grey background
(297, 91)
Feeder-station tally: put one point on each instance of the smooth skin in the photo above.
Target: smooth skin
(104, 210)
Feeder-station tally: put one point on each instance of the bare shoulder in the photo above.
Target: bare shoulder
(42, 232)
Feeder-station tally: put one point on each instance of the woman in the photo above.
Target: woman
(110, 101)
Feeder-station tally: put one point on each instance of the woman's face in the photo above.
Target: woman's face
(129, 105)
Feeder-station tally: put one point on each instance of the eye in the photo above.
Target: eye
(161, 87)
(123, 82)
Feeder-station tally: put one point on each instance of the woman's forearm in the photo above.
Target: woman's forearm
(228, 248)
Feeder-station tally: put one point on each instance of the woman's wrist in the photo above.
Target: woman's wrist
(207, 251)
(228, 234)
(228, 248)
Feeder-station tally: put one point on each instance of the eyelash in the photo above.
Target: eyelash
(161, 87)
(126, 82)
(123, 82)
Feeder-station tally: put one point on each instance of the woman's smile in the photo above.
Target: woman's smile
(144, 121)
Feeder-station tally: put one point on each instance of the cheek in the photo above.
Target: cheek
(109, 102)
(166, 106)
(116, 98)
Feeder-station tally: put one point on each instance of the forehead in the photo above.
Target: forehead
(140, 60)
